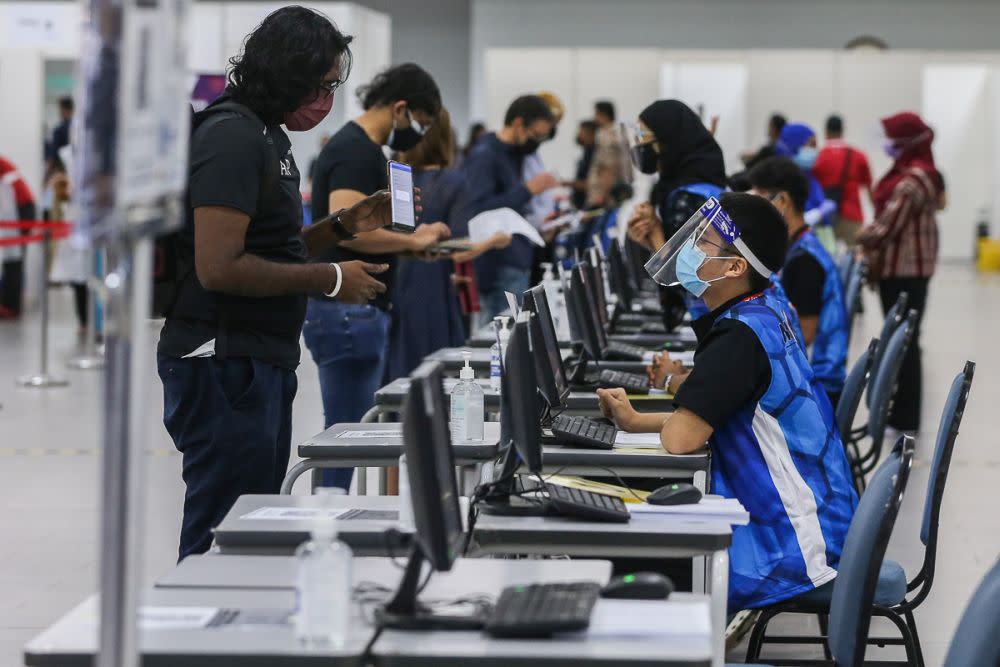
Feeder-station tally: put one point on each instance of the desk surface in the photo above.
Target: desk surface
(627, 463)
(360, 442)
(72, 640)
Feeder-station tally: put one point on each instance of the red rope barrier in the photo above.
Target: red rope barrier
(59, 229)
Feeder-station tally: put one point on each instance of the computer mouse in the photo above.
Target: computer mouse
(639, 586)
(678, 493)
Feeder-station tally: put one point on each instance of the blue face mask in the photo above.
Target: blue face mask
(806, 157)
(689, 260)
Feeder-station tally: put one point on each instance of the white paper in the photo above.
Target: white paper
(729, 509)
(175, 618)
(294, 513)
(642, 440)
(505, 220)
(650, 618)
(371, 434)
(686, 357)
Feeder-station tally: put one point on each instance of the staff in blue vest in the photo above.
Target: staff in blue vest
(670, 140)
(809, 275)
(753, 397)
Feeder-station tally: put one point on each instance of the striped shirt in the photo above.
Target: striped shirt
(902, 242)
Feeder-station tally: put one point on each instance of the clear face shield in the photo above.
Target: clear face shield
(708, 234)
(639, 144)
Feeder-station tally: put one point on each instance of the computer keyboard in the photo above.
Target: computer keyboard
(586, 505)
(653, 328)
(619, 351)
(584, 432)
(632, 383)
(541, 610)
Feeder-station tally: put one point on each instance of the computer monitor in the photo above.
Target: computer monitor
(575, 326)
(578, 302)
(589, 308)
(433, 492)
(519, 387)
(619, 276)
(552, 381)
(637, 257)
(597, 285)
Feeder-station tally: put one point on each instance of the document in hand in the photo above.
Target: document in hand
(505, 220)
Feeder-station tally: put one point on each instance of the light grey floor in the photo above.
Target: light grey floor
(49, 486)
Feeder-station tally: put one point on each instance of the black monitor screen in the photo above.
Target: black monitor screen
(575, 325)
(579, 301)
(619, 276)
(431, 466)
(521, 395)
(597, 286)
(590, 301)
(552, 379)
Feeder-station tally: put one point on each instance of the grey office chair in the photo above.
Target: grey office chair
(852, 293)
(854, 389)
(892, 320)
(851, 601)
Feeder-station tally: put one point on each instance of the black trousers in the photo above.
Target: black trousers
(81, 302)
(232, 422)
(11, 284)
(905, 415)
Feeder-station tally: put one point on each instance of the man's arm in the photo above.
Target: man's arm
(480, 188)
(222, 263)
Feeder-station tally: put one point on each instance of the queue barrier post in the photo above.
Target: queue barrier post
(43, 379)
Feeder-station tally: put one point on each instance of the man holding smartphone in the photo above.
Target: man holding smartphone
(230, 343)
(349, 343)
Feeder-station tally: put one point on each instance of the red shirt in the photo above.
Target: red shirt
(829, 171)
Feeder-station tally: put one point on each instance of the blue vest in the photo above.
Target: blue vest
(829, 349)
(782, 458)
(777, 299)
(695, 305)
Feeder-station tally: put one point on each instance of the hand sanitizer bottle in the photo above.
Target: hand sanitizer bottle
(467, 406)
(324, 586)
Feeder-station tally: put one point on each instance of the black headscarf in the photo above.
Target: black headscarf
(688, 151)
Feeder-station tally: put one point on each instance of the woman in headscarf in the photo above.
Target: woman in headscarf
(674, 143)
(902, 242)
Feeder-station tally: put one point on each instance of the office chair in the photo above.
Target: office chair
(852, 293)
(852, 596)
(845, 264)
(881, 392)
(895, 596)
(976, 640)
(892, 320)
(854, 389)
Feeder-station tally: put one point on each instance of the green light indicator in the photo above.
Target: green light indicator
(628, 578)
(673, 487)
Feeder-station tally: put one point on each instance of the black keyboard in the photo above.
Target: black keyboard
(632, 383)
(541, 610)
(586, 505)
(618, 351)
(653, 328)
(584, 432)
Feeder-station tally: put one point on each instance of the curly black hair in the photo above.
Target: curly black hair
(284, 61)
(409, 83)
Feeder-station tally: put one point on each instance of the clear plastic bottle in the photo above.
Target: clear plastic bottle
(324, 586)
(467, 406)
(498, 350)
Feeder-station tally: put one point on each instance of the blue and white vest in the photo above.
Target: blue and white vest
(782, 458)
(829, 349)
(778, 300)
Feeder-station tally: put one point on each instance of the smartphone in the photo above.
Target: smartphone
(404, 217)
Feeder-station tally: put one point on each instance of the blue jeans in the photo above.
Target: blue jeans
(492, 301)
(232, 422)
(349, 344)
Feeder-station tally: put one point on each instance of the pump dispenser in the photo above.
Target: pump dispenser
(467, 406)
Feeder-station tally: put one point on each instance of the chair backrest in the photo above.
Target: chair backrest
(951, 419)
(861, 559)
(845, 267)
(852, 291)
(854, 389)
(893, 319)
(883, 384)
(976, 640)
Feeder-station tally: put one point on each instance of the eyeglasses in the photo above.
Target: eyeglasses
(330, 87)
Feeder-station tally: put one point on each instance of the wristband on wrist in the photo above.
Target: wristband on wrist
(340, 281)
(337, 225)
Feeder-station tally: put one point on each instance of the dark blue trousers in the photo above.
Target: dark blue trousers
(232, 422)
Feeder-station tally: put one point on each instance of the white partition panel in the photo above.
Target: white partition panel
(716, 89)
(511, 73)
(956, 103)
(798, 84)
(627, 77)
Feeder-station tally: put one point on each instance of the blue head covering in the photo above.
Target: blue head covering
(793, 137)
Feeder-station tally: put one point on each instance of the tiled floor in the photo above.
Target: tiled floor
(49, 486)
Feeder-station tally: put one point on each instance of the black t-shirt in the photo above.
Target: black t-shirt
(238, 163)
(731, 368)
(803, 278)
(351, 161)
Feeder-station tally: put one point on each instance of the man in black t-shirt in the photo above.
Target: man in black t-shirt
(230, 343)
(349, 343)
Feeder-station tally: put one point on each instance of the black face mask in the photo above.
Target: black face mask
(405, 138)
(645, 159)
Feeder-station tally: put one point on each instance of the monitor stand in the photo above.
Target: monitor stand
(503, 498)
(404, 611)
